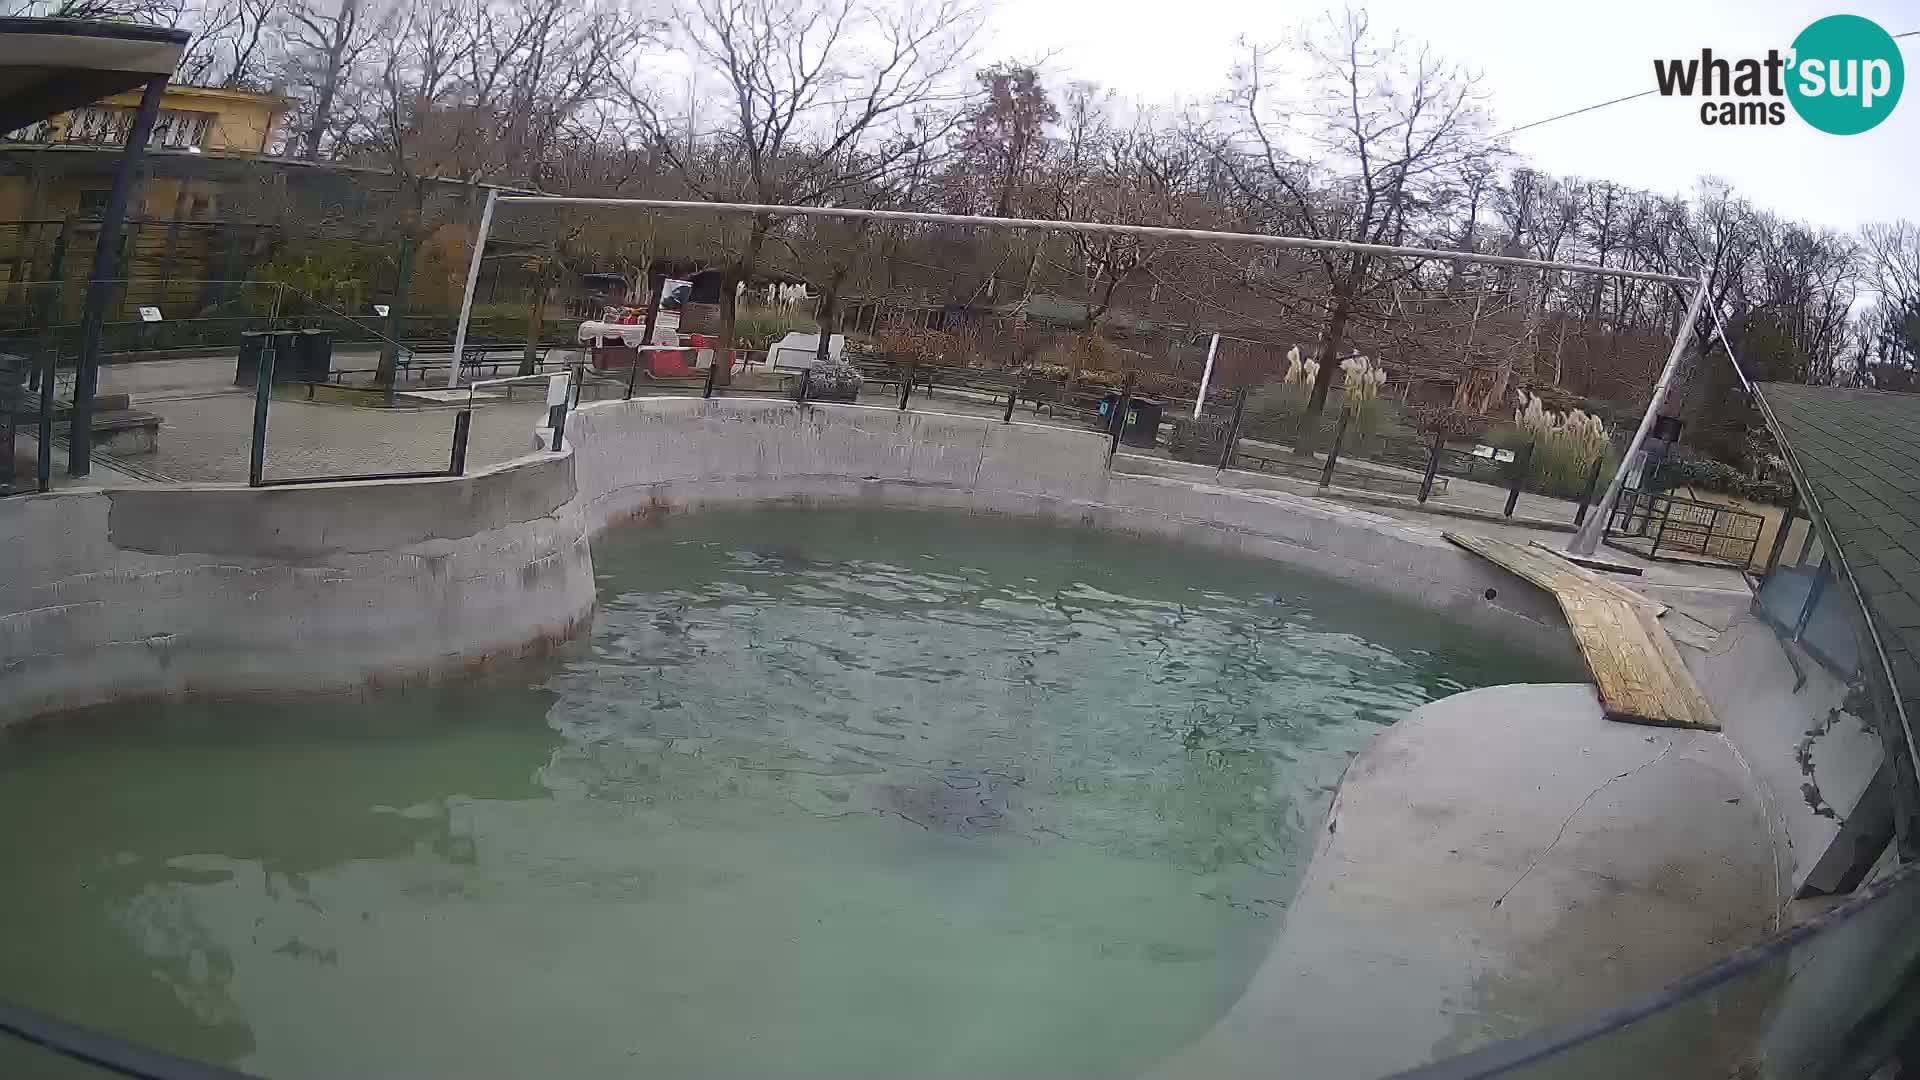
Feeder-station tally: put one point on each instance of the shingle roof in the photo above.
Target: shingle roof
(1857, 453)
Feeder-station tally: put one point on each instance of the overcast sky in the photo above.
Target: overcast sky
(1537, 59)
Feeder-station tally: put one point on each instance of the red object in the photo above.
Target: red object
(614, 357)
(678, 364)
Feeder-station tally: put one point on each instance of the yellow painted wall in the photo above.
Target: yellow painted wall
(243, 122)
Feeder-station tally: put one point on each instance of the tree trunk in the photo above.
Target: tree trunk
(536, 319)
(723, 352)
(396, 306)
(1329, 349)
(336, 57)
(729, 300)
(825, 313)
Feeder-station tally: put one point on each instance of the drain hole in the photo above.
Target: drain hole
(1491, 593)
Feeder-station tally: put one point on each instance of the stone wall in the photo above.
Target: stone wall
(172, 589)
(324, 587)
(665, 455)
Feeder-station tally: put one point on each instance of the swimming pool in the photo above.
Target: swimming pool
(866, 794)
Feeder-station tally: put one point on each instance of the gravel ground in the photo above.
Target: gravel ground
(206, 438)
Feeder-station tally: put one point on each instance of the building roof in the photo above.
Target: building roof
(1855, 456)
(50, 66)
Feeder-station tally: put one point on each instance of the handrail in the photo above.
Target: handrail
(105, 1051)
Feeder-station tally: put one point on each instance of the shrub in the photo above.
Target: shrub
(919, 345)
(1565, 446)
(1710, 475)
(834, 378)
(760, 327)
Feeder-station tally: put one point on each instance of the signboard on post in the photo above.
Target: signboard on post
(150, 314)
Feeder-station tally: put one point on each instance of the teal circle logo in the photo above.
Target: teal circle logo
(1847, 74)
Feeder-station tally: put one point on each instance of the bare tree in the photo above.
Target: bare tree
(1891, 327)
(150, 12)
(1391, 129)
(234, 45)
(810, 86)
(326, 40)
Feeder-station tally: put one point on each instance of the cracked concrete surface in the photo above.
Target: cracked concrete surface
(1501, 860)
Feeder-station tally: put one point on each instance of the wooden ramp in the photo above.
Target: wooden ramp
(1638, 669)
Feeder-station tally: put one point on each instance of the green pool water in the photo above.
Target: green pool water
(825, 794)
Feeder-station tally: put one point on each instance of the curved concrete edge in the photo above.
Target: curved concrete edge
(1814, 754)
(648, 457)
(336, 587)
(314, 588)
(1501, 860)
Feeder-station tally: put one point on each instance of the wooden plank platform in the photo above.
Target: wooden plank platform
(1635, 665)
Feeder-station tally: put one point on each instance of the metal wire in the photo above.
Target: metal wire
(1094, 227)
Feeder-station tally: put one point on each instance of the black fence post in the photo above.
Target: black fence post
(1117, 423)
(262, 398)
(1521, 462)
(1433, 463)
(806, 382)
(1233, 427)
(1586, 490)
(557, 420)
(1013, 396)
(462, 421)
(1659, 531)
(906, 387)
(1333, 450)
(713, 373)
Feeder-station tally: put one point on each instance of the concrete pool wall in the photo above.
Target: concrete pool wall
(664, 455)
(168, 590)
(327, 587)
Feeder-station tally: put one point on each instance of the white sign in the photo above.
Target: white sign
(149, 314)
(557, 390)
(381, 310)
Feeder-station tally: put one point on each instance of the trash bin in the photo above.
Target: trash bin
(312, 356)
(284, 343)
(1143, 418)
(1143, 422)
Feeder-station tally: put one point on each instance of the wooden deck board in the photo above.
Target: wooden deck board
(1637, 668)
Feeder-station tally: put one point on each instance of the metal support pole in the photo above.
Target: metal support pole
(1013, 396)
(713, 373)
(806, 380)
(462, 421)
(1433, 464)
(1780, 536)
(1233, 427)
(1333, 450)
(473, 279)
(558, 390)
(906, 386)
(44, 466)
(1521, 462)
(1117, 423)
(262, 398)
(1815, 590)
(1206, 375)
(106, 267)
(1587, 540)
(1586, 490)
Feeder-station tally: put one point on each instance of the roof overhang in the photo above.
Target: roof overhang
(49, 66)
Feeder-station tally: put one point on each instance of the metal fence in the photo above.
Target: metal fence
(1668, 527)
